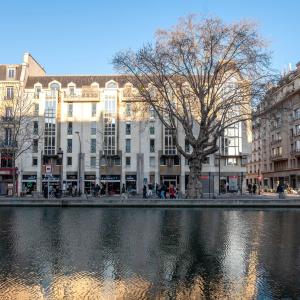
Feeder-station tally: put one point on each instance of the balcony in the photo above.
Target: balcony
(277, 156)
(276, 141)
(85, 96)
(11, 97)
(295, 152)
(7, 144)
(7, 119)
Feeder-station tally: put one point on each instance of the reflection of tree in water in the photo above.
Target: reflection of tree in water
(148, 253)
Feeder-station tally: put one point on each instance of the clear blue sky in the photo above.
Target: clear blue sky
(80, 37)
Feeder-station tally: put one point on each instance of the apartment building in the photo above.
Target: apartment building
(91, 134)
(12, 82)
(275, 156)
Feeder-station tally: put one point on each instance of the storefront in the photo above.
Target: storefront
(89, 183)
(207, 182)
(130, 181)
(70, 183)
(170, 180)
(51, 181)
(6, 181)
(29, 184)
(112, 184)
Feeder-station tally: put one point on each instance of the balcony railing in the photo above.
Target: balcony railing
(84, 96)
(7, 119)
(8, 144)
(276, 141)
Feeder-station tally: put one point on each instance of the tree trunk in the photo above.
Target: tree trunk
(194, 187)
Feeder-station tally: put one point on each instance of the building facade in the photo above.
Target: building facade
(92, 134)
(275, 156)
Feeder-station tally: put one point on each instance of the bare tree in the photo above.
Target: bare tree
(199, 77)
(19, 129)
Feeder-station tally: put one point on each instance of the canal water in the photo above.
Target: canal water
(103, 253)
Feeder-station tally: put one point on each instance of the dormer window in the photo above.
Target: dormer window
(72, 90)
(38, 90)
(11, 73)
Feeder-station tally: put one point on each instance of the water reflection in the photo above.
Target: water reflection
(93, 253)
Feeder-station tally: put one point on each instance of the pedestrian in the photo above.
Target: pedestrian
(150, 190)
(97, 190)
(254, 188)
(144, 192)
(123, 191)
(250, 188)
(172, 192)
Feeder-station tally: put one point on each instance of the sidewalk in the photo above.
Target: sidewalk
(249, 201)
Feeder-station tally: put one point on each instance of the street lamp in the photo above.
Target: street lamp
(60, 155)
(79, 164)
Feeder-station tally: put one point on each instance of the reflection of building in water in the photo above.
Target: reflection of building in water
(146, 254)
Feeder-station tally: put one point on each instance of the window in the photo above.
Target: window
(152, 161)
(93, 145)
(11, 73)
(151, 129)
(187, 146)
(70, 109)
(128, 129)
(69, 160)
(151, 113)
(297, 113)
(9, 93)
(128, 109)
(94, 109)
(128, 161)
(37, 92)
(93, 161)
(34, 161)
(93, 128)
(128, 146)
(170, 142)
(231, 161)
(54, 88)
(35, 127)
(35, 145)
(206, 160)
(70, 128)
(36, 109)
(69, 146)
(152, 145)
(72, 91)
(50, 127)
(8, 112)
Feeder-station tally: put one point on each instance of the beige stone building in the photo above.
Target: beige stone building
(275, 156)
(91, 135)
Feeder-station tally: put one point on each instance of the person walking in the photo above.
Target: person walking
(254, 188)
(250, 188)
(144, 192)
(123, 191)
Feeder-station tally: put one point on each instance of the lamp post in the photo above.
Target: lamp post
(60, 155)
(219, 166)
(79, 164)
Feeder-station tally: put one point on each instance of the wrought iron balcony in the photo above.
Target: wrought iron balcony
(8, 144)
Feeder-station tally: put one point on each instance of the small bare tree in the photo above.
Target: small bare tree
(18, 131)
(199, 77)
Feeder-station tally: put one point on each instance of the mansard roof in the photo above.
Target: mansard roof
(3, 72)
(79, 80)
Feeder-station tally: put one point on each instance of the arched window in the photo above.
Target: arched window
(111, 85)
(54, 87)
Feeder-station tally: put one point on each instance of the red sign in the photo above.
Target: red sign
(259, 177)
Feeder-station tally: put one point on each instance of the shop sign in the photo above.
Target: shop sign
(130, 177)
(29, 177)
(110, 177)
(51, 177)
(90, 177)
(71, 177)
